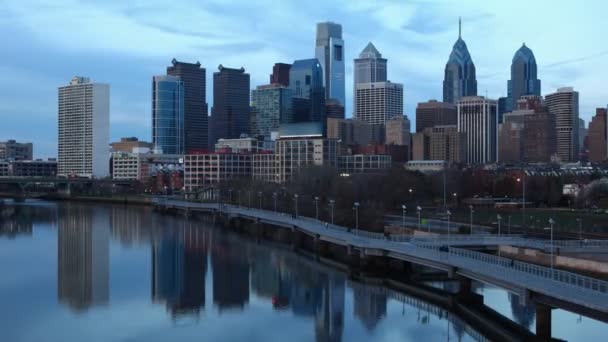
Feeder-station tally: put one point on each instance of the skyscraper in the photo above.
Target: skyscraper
(459, 77)
(598, 136)
(477, 117)
(168, 114)
(195, 103)
(271, 105)
(306, 83)
(563, 104)
(230, 112)
(524, 79)
(280, 74)
(330, 54)
(370, 67)
(378, 102)
(84, 129)
(433, 113)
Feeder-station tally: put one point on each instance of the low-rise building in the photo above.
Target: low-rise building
(355, 132)
(426, 166)
(211, 168)
(265, 167)
(294, 154)
(142, 166)
(4, 169)
(14, 150)
(243, 145)
(130, 145)
(33, 168)
(364, 163)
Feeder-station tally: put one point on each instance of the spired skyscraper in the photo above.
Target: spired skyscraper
(330, 53)
(459, 77)
(524, 79)
(370, 67)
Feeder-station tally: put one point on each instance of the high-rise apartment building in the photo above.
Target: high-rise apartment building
(84, 129)
(511, 137)
(598, 136)
(230, 112)
(433, 113)
(370, 67)
(306, 84)
(563, 104)
(14, 150)
(195, 103)
(329, 52)
(398, 131)
(378, 102)
(477, 117)
(524, 79)
(280, 74)
(168, 114)
(460, 79)
(446, 143)
(271, 105)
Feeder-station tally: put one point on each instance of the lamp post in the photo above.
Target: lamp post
(523, 202)
(509, 225)
(317, 207)
(580, 228)
(449, 214)
(551, 223)
(230, 195)
(274, 197)
(331, 205)
(249, 194)
(404, 208)
(498, 218)
(472, 211)
(455, 196)
(260, 198)
(239, 197)
(419, 210)
(356, 209)
(295, 198)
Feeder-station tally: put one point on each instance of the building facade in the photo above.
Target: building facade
(598, 136)
(195, 103)
(460, 79)
(563, 104)
(355, 132)
(511, 137)
(130, 144)
(280, 74)
(271, 105)
(364, 163)
(477, 117)
(306, 84)
(378, 102)
(230, 112)
(244, 145)
(524, 79)
(446, 143)
(539, 137)
(434, 113)
(14, 150)
(294, 154)
(201, 170)
(370, 67)
(397, 131)
(329, 52)
(265, 167)
(142, 166)
(168, 114)
(33, 168)
(84, 129)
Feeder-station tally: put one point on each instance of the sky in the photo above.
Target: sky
(44, 43)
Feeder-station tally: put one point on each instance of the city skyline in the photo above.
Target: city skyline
(415, 37)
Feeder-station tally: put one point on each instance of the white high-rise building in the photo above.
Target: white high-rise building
(329, 51)
(84, 129)
(378, 102)
(369, 67)
(477, 117)
(563, 104)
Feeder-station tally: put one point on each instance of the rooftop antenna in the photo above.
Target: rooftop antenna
(459, 27)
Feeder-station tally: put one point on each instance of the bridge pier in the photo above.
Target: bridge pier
(320, 247)
(296, 239)
(543, 322)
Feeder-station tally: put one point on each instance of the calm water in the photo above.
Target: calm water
(71, 272)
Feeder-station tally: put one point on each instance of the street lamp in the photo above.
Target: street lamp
(472, 211)
(499, 218)
(230, 195)
(448, 213)
(418, 209)
(317, 207)
(356, 209)
(522, 180)
(551, 222)
(249, 194)
(404, 208)
(260, 198)
(331, 205)
(295, 197)
(274, 197)
(455, 196)
(580, 228)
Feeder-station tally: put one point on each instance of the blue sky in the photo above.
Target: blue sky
(124, 43)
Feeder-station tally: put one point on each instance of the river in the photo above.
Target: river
(87, 272)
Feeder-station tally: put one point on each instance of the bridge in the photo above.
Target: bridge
(548, 288)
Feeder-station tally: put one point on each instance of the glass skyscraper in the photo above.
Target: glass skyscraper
(524, 79)
(306, 84)
(270, 106)
(330, 54)
(460, 79)
(168, 114)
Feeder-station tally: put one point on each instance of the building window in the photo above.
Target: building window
(338, 52)
(307, 79)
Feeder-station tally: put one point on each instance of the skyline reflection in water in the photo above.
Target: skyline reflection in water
(128, 274)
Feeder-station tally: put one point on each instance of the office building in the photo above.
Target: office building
(524, 79)
(330, 54)
(477, 117)
(264, 167)
(230, 112)
(296, 153)
(511, 137)
(433, 113)
(211, 168)
(84, 129)
(460, 79)
(306, 84)
(440, 143)
(13, 150)
(582, 136)
(243, 144)
(271, 105)
(539, 134)
(370, 67)
(142, 166)
(398, 131)
(130, 145)
(280, 74)
(33, 168)
(333, 109)
(355, 132)
(364, 163)
(4, 168)
(195, 103)
(598, 136)
(378, 102)
(563, 104)
(168, 115)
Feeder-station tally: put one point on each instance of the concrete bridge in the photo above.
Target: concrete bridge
(548, 288)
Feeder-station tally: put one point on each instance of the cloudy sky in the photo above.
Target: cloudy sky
(124, 43)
